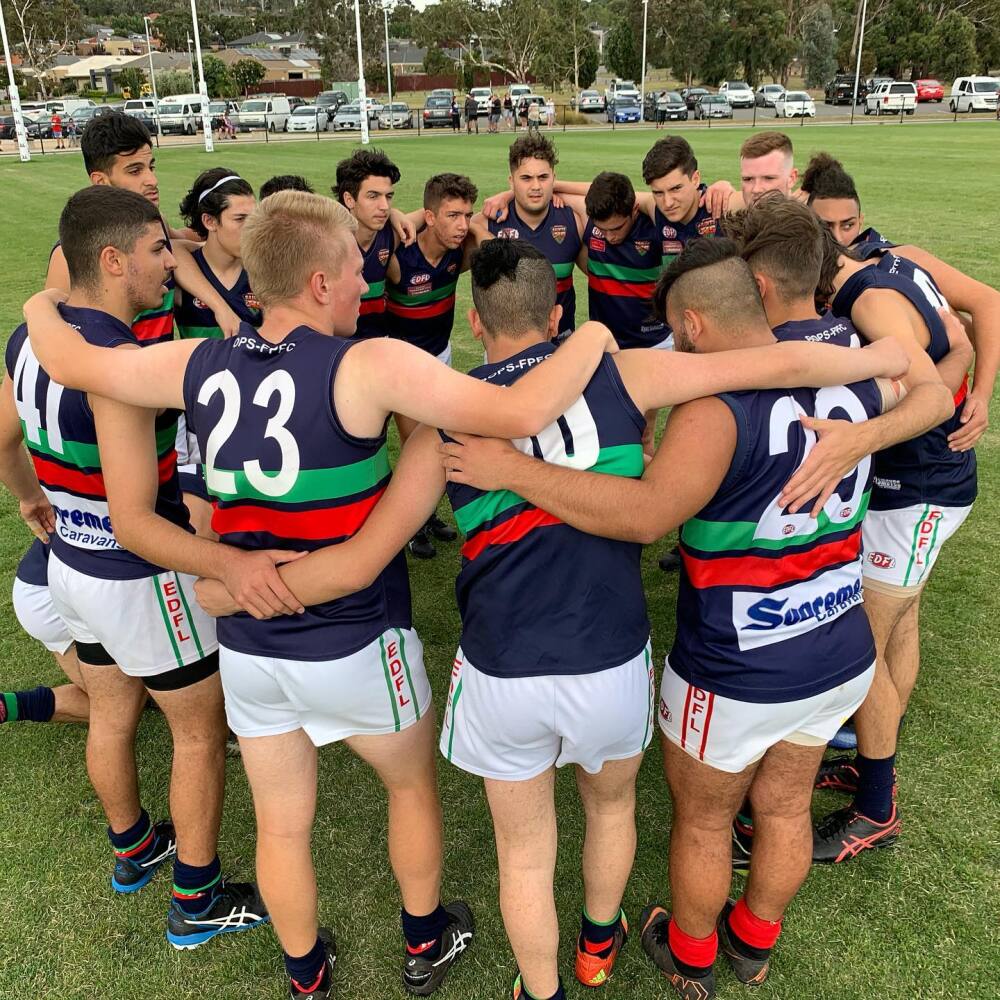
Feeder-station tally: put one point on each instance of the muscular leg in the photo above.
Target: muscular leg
(198, 727)
(609, 847)
(407, 765)
(903, 653)
(282, 774)
(782, 844)
(524, 821)
(116, 702)
(72, 702)
(705, 802)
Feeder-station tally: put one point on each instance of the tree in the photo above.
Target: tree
(756, 38)
(588, 63)
(44, 29)
(953, 40)
(329, 24)
(128, 24)
(620, 52)
(218, 78)
(172, 81)
(436, 62)
(245, 73)
(401, 19)
(131, 78)
(693, 27)
(819, 46)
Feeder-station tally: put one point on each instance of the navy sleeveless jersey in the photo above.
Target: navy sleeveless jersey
(284, 474)
(536, 596)
(825, 329)
(869, 243)
(195, 319)
(925, 469)
(58, 428)
(621, 278)
(558, 238)
(675, 236)
(422, 305)
(33, 568)
(769, 604)
(372, 319)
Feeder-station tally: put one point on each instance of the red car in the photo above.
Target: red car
(929, 90)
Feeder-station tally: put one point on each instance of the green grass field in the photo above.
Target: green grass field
(915, 922)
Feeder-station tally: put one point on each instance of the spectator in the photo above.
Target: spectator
(522, 112)
(57, 130)
(72, 133)
(508, 112)
(550, 112)
(661, 108)
(495, 111)
(227, 125)
(471, 114)
(534, 116)
(456, 115)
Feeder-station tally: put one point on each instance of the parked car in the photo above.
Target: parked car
(621, 88)
(666, 106)
(148, 118)
(713, 106)
(484, 98)
(347, 118)
(795, 104)
(839, 90)
(515, 91)
(269, 111)
(32, 126)
(738, 93)
(330, 100)
(892, 98)
(589, 101)
(83, 115)
(767, 94)
(624, 109)
(67, 105)
(437, 111)
(869, 85)
(930, 90)
(449, 93)
(180, 113)
(296, 102)
(402, 116)
(974, 93)
(309, 118)
(692, 95)
(139, 104)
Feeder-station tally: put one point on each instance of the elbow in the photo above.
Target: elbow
(646, 533)
(126, 525)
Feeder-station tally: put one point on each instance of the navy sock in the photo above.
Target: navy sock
(195, 886)
(876, 780)
(138, 842)
(423, 934)
(597, 938)
(308, 971)
(37, 705)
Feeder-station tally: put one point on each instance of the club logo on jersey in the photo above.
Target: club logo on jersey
(669, 233)
(672, 246)
(383, 256)
(198, 304)
(881, 560)
(452, 268)
(707, 227)
(846, 512)
(509, 233)
(251, 302)
(642, 246)
(558, 233)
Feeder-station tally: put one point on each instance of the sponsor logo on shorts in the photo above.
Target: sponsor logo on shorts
(888, 484)
(397, 672)
(672, 246)
(509, 233)
(558, 233)
(881, 560)
(669, 232)
(642, 246)
(383, 256)
(707, 227)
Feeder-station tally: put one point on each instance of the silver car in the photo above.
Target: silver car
(589, 101)
(402, 117)
(348, 118)
(309, 118)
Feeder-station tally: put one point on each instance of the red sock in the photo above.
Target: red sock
(750, 928)
(698, 953)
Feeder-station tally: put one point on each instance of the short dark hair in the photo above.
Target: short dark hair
(513, 287)
(783, 239)
(110, 135)
(205, 198)
(531, 147)
(709, 276)
(285, 182)
(100, 216)
(364, 163)
(610, 194)
(442, 186)
(825, 177)
(668, 154)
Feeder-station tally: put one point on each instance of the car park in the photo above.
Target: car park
(621, 88)
(738, 93)
(795, 104)
(892, 97)
(83, 115)
(767, 94)
(840, 90)
(589, 102)
(267, 111)
(930, 90)
(484, 98)
(401, 116)
(348, 118)
(974, 93)
(713, 106)
(869, 85)
(309, 118)
(180, 113)
(692, 95)
(624, 109)
(330, 100)
(437, 111)
(664, 106)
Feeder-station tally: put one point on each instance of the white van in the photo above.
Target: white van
(67, 105)
(974, 93)
(268, 111)
(180, 113)
(140, 104)
(518, 90)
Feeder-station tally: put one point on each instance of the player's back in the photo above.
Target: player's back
(769, 604)
(538, 597)
(825, 329)
(285, 474)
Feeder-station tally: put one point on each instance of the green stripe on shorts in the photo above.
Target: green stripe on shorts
(913, 545)
(454, 705)
(166, 621)
(191, 625)
(406, 668)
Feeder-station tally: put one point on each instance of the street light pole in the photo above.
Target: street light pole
(152, 78)
(15, 98)
(362, 97)
(388, 63)
(857, 68)
(206, 114)
(194, 85)
(642, 85)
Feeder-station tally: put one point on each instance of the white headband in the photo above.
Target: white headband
(225, 180)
